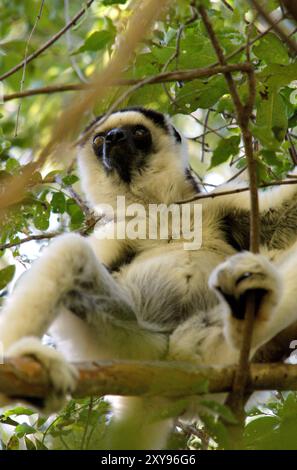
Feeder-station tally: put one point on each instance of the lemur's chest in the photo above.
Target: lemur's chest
(173, 276)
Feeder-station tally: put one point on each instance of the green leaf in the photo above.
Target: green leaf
(4, 145)
(226, 148)
(58, 203)
(95, 42)
(70, 179)
(222, 410)
(41, 217)
(153, 97)
(260, 433)
(22, 429)
(195, 48)
(271, 121)
(75, 213)
(271, 49)
(275, 76)
(29, 444)
(265, 136)
(13, 443)
(6, 275)
(40, 445)
(12, 165)
(225, 105)
(217, 430)
(200, 94)
(19, 410)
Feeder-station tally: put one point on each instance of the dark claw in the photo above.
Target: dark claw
(238, 306)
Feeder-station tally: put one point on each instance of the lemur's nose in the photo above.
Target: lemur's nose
(115, 136)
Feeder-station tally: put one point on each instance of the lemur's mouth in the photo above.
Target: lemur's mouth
(119, 158)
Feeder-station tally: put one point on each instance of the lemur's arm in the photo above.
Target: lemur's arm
(278, 217)
(110, 247)
(218, 341)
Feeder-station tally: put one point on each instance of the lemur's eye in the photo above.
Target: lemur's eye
(98, 140)
(140, 131)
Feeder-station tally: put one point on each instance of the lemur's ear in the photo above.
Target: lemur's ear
(176, 135)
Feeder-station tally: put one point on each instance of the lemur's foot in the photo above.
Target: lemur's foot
(234, 279)
(62, 375)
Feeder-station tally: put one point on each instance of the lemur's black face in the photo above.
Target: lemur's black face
(123, 149)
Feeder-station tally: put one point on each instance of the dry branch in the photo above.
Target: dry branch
(243, 113)
(177, 75)
(227, 192)
(22, 377)
(37, 237)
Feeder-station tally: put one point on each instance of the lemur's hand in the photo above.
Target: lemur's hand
(233, 280)
(61, 374)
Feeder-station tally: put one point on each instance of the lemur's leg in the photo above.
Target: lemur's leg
(201, 340)
(68, 265)
(275, 287)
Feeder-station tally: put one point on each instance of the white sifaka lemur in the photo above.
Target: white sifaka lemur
(145, 299)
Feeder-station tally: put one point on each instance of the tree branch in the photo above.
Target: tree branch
(177, 75)
(243, 112)
(214, 194)
(23, 377)
(42, 236)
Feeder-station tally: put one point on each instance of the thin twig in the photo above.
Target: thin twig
(236, 175)
(89, 224)
(48, 43)
(42, 236)
(191, 430)
(292, 149)
(237, 190)
(79, 201)
(25, 62)
(90, 409)
(243, 112)
(205, 126)
(73, 61)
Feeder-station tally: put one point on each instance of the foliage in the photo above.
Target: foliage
(202, 107)
(81, 425)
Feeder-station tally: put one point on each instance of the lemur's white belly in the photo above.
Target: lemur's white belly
(168, 286)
